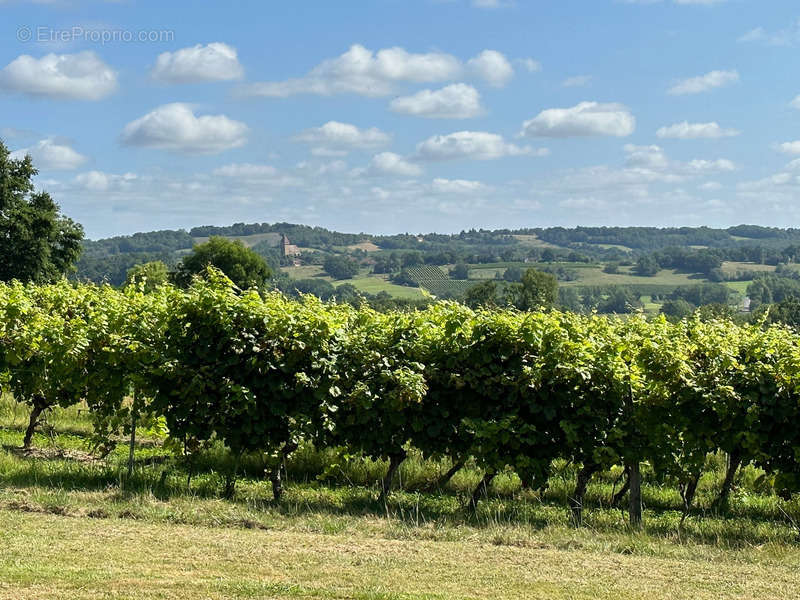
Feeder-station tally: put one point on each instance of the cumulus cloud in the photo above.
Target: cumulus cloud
(530, 65)
(584, 119)
(492, 66)
(710, 186)
(690, 131)
(378, 73)
(790, 147)
(653, 158)
(99, 181)
(389, 163)
(364, 72)
(334, 138)
(245, 170)
(456, 101)
(81, 76)
(476, 145)
(175, 127)
(212, 62)
(457, 186)
(52, 155)
(704, 83)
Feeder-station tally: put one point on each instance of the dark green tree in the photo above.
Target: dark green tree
(37, 243)
(242, 266)
(459, 271)
(482, 295)
(536, 291)
(340, 267)
(678, 309)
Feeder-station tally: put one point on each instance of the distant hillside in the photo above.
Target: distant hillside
(109, 259)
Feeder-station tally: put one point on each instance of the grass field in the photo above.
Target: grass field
(72, 527)
(596, 276)
(374, 284)
(731, 267)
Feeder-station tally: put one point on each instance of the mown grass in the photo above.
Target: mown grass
(65, 517)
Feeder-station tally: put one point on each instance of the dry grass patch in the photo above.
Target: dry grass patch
(46, 557)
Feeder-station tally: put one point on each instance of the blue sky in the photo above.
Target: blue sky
(413, 115)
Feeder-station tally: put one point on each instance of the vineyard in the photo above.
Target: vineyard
(434, 280)
(511, 392)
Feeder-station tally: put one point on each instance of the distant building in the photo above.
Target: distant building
(288, 249)
(745, 306)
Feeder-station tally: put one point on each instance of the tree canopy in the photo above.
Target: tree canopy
(37, 243)
(241, 265)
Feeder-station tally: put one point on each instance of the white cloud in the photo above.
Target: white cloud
(389, 163)
(456, 101)
(334, 137)
(364, 72)
(529, 64)
(245, 170)
(790, 147)
(476, 145)
(213, 62)
(492, 66)
(51, 155)
(81, 76)
(710, 186)
(789, 36)
(689, 131)
(375, 74)
(175, 127)
(98, 181)
(577, 81)
(795, 103)
(457, 186)
(585, 119)
(719, 165)
(704, 83)
(487, 3)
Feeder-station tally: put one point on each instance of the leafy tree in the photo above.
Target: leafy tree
(646, 266)
(536, 291)
(37, 243)
(512, 274)
(678, 309)
(460, 271)
(482, 294)
(611, 268)
(240, 264)
(620, 300)
(340, 267)
(787, 312)
(150, 275)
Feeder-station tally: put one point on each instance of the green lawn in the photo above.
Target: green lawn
(373, 284)
(731, 267)
(596, 276)
(71, 527)
(47, 557)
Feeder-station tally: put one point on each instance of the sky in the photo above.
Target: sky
(416, 116)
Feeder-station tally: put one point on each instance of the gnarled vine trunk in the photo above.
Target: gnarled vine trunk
(39, 406)
(481, 491)
(395, 460)
(576, 501)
